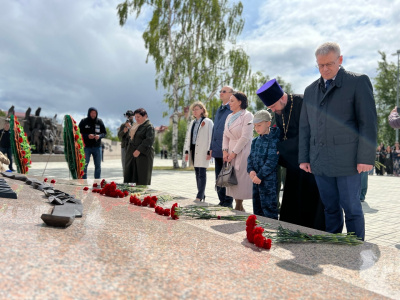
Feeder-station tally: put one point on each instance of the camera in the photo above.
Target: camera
(129, 114)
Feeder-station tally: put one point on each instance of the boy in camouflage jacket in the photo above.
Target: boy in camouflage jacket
(262, 165)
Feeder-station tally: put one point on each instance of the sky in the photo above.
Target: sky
(67, 56)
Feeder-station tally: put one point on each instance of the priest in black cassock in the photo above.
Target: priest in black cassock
(301, 203)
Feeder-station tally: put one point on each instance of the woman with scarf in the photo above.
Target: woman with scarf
(140, 152)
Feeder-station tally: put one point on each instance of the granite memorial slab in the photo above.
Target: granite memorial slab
(121, 251)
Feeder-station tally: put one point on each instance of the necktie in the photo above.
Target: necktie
(328, 83)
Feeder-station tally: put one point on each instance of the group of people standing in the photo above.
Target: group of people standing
(388, 159)
(325, 139)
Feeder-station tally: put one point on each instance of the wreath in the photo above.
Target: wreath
(20, 146)
(74, 148)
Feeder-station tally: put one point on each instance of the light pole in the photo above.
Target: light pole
(397, 98)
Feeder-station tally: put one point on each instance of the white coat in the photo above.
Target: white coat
(203, 142)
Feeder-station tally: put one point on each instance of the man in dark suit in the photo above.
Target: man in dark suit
(216, 142)
(337, 140)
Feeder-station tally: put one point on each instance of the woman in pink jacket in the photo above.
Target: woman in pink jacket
(238, 134)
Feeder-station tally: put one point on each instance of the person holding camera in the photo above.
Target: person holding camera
(394, 118)
(123, 135)
(93, 130)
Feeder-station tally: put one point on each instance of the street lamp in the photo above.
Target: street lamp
(397, 98)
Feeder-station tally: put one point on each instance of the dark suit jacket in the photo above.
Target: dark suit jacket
(338, 127)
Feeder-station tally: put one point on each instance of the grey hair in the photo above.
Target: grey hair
(327, 48)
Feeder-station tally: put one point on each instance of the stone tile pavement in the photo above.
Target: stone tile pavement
(381, 207)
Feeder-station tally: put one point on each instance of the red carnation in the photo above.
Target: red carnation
(167, 212)
(19, 130)
(25, 134)
(76, 137)
(161, 211)
(154, 198)
(20, 140)
(258, 230)
(25, 161)
(23, 153)
(95, 184)
(251, 221)
(250, 235)
(16, 122)
(219, 217)
(174, 215)
(152, 204)
(45, 180)
(94, 190)
(53, 181)
(76, 128)
(259, 240)
(126, 193)
(85, 188)
(267, 244)
(26, 169)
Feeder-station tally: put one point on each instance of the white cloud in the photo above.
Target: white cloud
(68, 56)
(286, 34)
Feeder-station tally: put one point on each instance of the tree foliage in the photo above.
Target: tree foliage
(110, 136)
(385, 98)
(167, 138)
(187, 40)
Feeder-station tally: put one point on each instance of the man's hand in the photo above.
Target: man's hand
(136, 153)
(364, 168)
(306, 167)
(209, 155)
(91, 136)
(394, 109)
(96, 137)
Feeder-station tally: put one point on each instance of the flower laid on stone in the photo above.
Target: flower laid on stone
(147, 201)
(207, 212)
(53, 181)
(85, 188)
(284, 235)
(254, 234)
(45, 180)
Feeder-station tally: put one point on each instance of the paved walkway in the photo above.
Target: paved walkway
(381, 207)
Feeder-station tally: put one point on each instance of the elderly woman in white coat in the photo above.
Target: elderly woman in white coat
(236, 145)
(197, 145)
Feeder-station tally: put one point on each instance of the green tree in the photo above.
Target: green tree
(167, 138)
(157, 146)
(385, 98)
(110, 136)
(186, 39)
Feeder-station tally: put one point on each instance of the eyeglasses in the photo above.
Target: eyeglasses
(196, 109)
(223, 92)
(328, 65)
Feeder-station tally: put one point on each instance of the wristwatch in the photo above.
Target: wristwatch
(233, 152)
(224, 150)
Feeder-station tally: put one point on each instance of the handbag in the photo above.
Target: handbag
(227, 176)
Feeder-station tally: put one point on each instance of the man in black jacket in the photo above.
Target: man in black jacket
(92, 130)
(337, 140)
